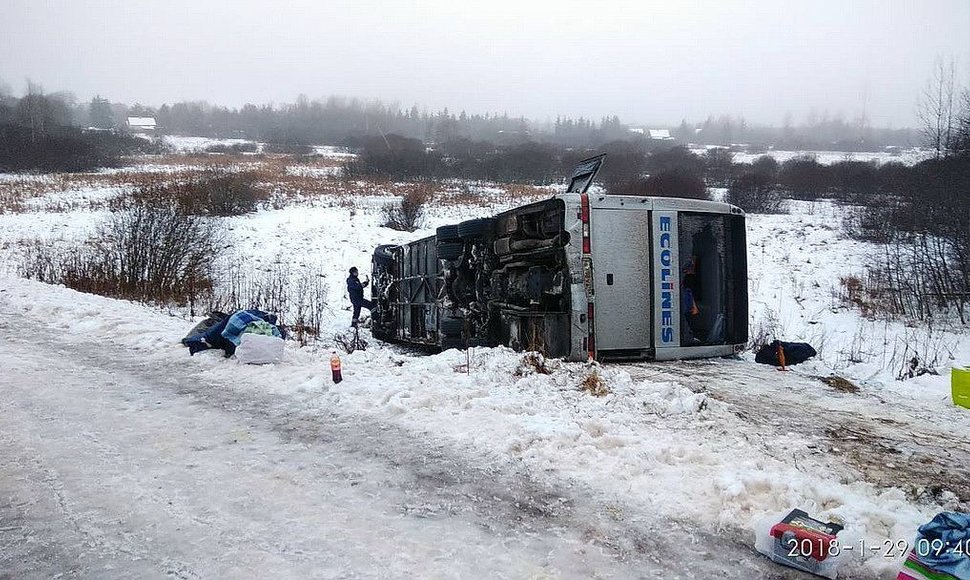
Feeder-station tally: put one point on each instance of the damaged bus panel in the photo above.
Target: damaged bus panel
(577, 276)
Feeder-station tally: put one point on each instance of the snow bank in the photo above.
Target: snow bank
(656, 446)
(653, 447)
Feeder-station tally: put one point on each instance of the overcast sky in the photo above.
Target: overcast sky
(648, 62)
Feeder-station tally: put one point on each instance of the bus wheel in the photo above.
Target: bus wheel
(450, 250)
(447, 234)
(451, 327)
(449, 343)
(474, 229)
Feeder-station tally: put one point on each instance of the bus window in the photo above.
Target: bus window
(710, 271)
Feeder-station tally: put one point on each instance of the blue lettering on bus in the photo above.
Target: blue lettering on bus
(666, 284)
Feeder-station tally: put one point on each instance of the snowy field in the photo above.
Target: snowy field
(910, 156)
(418, 465)
(181, 144)
(186, 145)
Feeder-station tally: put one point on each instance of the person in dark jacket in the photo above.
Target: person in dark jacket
(355, 288)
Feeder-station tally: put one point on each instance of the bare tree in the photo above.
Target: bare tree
(935, 109)
(961, 141)
(32, 110)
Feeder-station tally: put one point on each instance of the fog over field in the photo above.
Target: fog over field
(648, 62)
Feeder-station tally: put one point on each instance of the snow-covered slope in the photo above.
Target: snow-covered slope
(654, 448)
(713, 446)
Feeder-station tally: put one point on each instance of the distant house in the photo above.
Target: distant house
(141, 124)
(660, 135)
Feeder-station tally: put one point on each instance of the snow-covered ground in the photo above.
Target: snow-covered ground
(672, 471)
(184, 144)
(910, 156)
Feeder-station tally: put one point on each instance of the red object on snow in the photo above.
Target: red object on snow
(335, 368)
(807, 543)
(804, 543)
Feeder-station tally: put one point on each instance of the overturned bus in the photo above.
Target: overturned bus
(579, 276)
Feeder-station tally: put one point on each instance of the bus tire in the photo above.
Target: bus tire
(450, 250)
(384, 257)
(447, 234)
(450, 342)
(451, 327)
(474, 229)
(502, 247)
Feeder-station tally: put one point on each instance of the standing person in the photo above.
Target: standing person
(355, 288)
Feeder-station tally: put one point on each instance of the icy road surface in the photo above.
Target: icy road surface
(113, 467)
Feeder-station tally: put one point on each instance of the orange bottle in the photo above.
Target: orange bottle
(335, 368)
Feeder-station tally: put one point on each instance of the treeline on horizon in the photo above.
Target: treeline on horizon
(39, 132)
(338, 120)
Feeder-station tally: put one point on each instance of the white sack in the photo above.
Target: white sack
(259, 349)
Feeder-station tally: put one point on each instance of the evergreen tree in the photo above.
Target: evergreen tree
(99, 112)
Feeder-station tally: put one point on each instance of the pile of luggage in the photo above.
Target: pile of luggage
(253, 336)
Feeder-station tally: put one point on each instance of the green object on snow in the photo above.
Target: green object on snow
(261, 327)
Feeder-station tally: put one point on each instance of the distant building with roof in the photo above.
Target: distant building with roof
(141, 124)
(653, 134)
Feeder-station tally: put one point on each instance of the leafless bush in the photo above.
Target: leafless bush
(805, 178)
(873, 223)
(213, 193)
(594, 384)
(532, 363)
(920, 351)
(406, 216)
(765, 331)
(915, 277)
(922, 219)
(11, 202)
(150, 253)
(756, 193)
(298, 299)
(350, 341)
(919, 280)
(857, 351)
(676, 182)
(866, 294)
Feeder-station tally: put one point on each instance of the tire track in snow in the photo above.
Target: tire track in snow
(887, 445)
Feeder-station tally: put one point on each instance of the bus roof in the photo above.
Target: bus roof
(660, 203)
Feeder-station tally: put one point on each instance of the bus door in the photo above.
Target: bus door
(620, 241)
